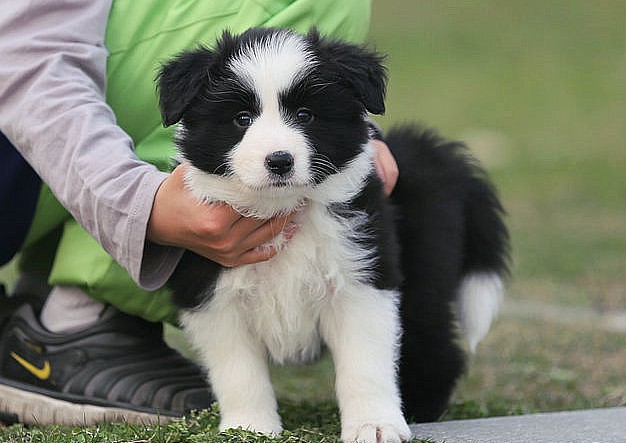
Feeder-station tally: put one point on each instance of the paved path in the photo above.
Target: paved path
(587, 426)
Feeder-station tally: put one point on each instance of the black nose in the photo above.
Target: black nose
(279, 162)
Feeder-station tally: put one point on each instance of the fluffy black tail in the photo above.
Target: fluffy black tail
(454, 248)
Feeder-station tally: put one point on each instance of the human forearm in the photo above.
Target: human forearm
(52, 88)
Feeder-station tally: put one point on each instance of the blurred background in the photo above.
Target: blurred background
(538, 91)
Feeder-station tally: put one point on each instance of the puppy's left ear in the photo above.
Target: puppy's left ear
(360, 69)
(180, 81)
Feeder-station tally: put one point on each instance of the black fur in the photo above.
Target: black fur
(442, 221)
(360, 70)
(195, 87)
(378, 237)
(450, 223)
(189, 290)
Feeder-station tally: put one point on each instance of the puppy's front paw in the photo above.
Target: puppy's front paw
(263, 425)
(381, 432)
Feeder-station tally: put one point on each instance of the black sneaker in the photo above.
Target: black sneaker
(118, 369)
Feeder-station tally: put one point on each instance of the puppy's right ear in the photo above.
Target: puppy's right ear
(180, 80)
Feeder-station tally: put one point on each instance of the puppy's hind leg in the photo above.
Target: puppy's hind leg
(237, 367)
(362, 331)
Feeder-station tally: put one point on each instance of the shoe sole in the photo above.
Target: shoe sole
(30, 407)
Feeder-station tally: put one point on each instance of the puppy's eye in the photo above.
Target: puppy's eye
(304, 115)
(243, 119)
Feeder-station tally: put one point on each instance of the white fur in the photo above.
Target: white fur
(362, 330)
(480, 297)
(317, 289)
(282, 309)
(270, 69)
(267, 202)
(267, 134)
(273, 67)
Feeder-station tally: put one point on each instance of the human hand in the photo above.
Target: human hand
(386, 166)
(215, 231)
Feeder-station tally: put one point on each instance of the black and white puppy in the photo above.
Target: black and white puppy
(273, 122)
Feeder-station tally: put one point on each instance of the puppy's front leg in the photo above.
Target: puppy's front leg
(362, 330)
(237, 367)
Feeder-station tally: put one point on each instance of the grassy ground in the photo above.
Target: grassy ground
(537, 90)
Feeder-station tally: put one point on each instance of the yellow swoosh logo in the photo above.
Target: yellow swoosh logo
(40, 373)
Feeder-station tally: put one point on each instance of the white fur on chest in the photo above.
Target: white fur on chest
(282, 299)
(280, 302)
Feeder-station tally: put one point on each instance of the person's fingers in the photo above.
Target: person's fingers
(249, 242)
(256, 255)
(232, 240)
(266, 251)
(386, 166)
(215, 231)
(254, 232)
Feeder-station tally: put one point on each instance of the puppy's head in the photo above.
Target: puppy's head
(272, 110)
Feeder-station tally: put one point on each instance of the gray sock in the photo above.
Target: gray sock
(68, 309)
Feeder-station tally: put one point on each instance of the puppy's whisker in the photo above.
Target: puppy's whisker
(222, 167)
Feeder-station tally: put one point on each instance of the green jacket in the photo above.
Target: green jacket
(140, 36)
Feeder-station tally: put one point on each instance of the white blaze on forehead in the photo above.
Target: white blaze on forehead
(271, 65)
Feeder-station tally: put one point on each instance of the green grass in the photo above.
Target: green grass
(318, 423)
(538, 90)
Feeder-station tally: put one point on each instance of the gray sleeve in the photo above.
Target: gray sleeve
(53, 109)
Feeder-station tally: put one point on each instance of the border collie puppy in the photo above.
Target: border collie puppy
(273, 122)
